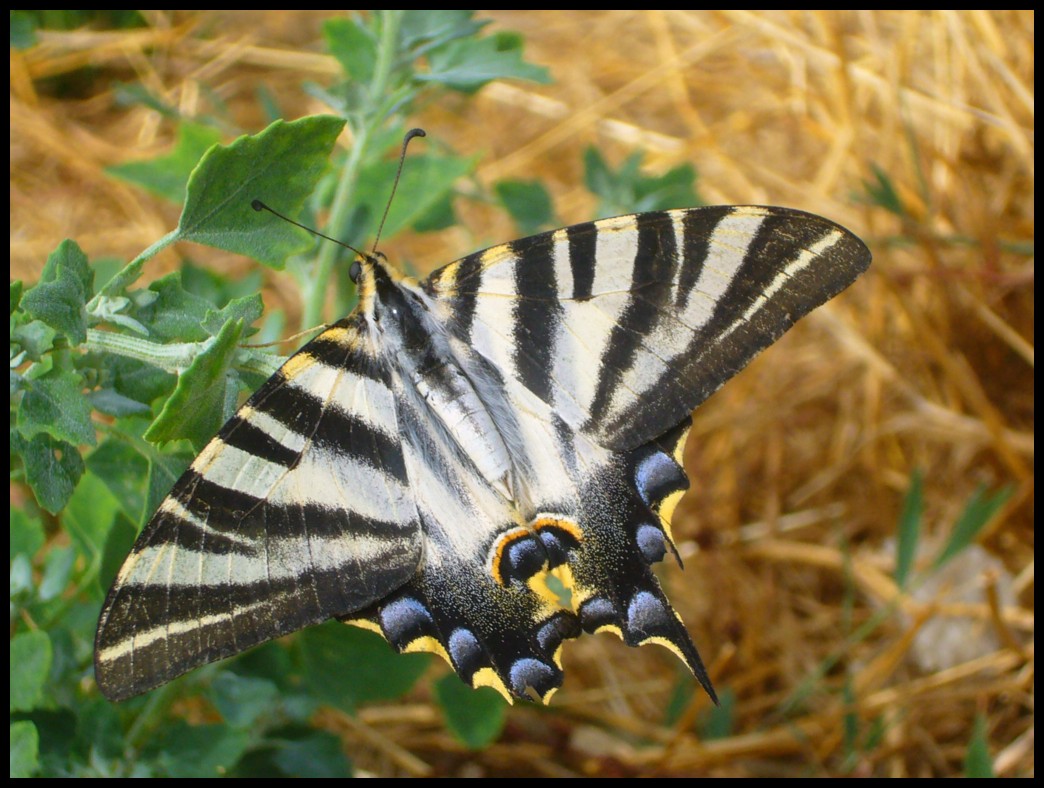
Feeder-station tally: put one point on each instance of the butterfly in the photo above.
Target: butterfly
(482, 464)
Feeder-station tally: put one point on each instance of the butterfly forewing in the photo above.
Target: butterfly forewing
(271, 528)
(483, 465)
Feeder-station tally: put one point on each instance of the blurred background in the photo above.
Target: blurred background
(858, 538)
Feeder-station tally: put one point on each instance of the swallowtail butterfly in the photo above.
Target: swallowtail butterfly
(482, 464)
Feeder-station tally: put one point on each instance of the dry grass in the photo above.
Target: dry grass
(800, 464)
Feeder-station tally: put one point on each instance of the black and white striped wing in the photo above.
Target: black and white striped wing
(623, 326)
(299, 510)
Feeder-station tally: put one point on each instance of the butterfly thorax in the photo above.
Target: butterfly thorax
(425, 368)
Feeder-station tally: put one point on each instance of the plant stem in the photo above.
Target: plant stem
(318, 285)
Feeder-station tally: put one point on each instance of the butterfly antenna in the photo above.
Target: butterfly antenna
(257, 205)
(402, 159)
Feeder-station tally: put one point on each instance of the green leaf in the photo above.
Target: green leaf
(978, 512)
(31, 655)
(627, 190)
(201, 750)
(16, 294)
(54, 403)
(52, 468)
(25, 749)
(242, 700)
(60, 298)
(432, 28)
(118, 543)
(58, 564)
(27, 534)
(881, 191)
(196, 409)
(112, 403)
(89, 515)
(474, 716)
(909, 530)
(977, 761)
(316, 754)
(122, 469)
(720, 721)
(136, 379)
(468, 64)
(22, 35)
(246, 309)
(354, 47)
(376, 672)
(167, 176)
(528, 203)
(215, 288)
(34, 337)
(164, 470)
(425, 182)
(175, 315)
(280, 166)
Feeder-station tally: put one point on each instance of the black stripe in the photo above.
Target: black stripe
(537, 312)
(466, 285)
(293, 407)
(698, 226)
(651, 282)
(258, 523)
(348, 435)
(253, 440)
(582, 244)
(333, 352)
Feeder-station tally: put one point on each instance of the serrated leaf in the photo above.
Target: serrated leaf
(54, 404)
(246, 309)
(528, 203)
(195, 411)
(167, 176)
(468, 64)
(474, 716)
(52, 468)
(31, 655)
(280, 166)
(60, 297)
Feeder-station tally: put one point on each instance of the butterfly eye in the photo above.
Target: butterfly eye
(355, 271)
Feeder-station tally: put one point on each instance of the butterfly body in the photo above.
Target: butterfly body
(483, 464)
